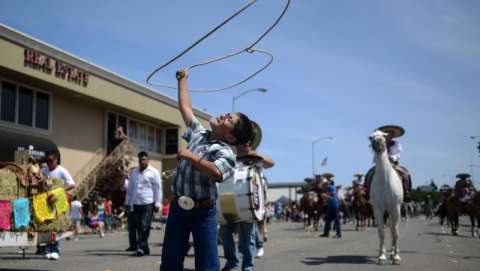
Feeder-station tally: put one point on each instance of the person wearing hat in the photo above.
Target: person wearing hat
(249, 244)
(445, 193)
(359, 180)
(333, 212)
(394, 151)
(463, 187)
(329, 176)
(208, 159)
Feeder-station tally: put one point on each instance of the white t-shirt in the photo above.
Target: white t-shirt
(75, 209)
(341, 194)
(59, 173)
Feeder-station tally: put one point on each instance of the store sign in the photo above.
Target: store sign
(52, 66)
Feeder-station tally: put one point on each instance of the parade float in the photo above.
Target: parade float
(33, 207)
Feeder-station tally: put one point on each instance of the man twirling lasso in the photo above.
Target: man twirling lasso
(208, 159)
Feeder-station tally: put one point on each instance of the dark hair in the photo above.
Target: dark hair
(242, 130)
(142, 154)
(53, 153)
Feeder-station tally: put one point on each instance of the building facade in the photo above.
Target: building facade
(52, 99)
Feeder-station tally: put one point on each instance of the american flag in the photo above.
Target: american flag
(324, 162)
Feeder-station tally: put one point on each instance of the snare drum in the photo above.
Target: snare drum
(242, 198)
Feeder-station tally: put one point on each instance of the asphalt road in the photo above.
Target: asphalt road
(424, 246)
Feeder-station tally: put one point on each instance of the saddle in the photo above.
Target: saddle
(404, 176)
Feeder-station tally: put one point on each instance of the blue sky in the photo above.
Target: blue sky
(341, 69)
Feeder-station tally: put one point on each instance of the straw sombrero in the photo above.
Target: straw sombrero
(358, 175)
(463, 176)
(393, 131)
(328, 175)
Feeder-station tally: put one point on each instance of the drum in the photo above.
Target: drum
(242, 198)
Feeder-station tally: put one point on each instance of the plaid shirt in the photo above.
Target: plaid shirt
(188, 180)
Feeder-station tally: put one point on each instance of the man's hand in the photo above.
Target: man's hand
(184, 154)
(184, 102)
(182, 73)
(244, 149)
(157, 209)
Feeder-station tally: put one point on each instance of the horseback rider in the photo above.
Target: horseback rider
(445, 194)
(464, 187)
(394, 151)
(358, 184)
(329, 177)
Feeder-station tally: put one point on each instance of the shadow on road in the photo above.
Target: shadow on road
(341, 259)
(446, 234)
(107, 252)
(297, 229)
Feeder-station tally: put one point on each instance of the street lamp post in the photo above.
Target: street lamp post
(245, 92)
(471, 158)
(313, 152)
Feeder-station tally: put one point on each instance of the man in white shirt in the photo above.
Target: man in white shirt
(56, 171)
(394, 150)
(144, 196)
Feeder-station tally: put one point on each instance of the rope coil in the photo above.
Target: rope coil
(249, 49)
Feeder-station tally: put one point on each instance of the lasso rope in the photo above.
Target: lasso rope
(249, 49)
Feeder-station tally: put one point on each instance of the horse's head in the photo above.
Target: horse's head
(378, 141)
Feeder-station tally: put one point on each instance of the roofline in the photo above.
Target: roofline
(285, 184)
(27, 41)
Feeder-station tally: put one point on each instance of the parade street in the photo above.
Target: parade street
(424, 246)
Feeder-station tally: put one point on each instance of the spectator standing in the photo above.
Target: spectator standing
(76, 216)
(143, 197)
(333, 212)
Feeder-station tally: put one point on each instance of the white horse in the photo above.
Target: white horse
(386, 195)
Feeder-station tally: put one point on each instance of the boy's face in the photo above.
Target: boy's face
(223, 125)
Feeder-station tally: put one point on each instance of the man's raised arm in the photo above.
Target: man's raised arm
(184, 103)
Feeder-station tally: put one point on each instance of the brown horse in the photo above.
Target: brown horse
(361, 208)
(471, 208)
(312, 206)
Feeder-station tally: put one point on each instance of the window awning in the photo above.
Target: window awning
(10, 141)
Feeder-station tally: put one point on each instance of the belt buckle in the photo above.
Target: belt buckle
(186, 203)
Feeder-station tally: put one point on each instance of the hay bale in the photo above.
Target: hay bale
(10, 187)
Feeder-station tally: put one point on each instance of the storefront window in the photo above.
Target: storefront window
(122, 121)
(41, 110)
(25, 106)
(142, 137)
(145, 136)
(159, 139)
(8, 102)
(151, 139)
(171, 141)
(132, 129)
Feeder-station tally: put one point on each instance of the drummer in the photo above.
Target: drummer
(247, 232)
(208, 159)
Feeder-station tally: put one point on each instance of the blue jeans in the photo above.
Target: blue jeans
(202, 224)
(140, 231)
(246, 244)
(258, 240)
(53, 247)
(132, 233)
(333, 214)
